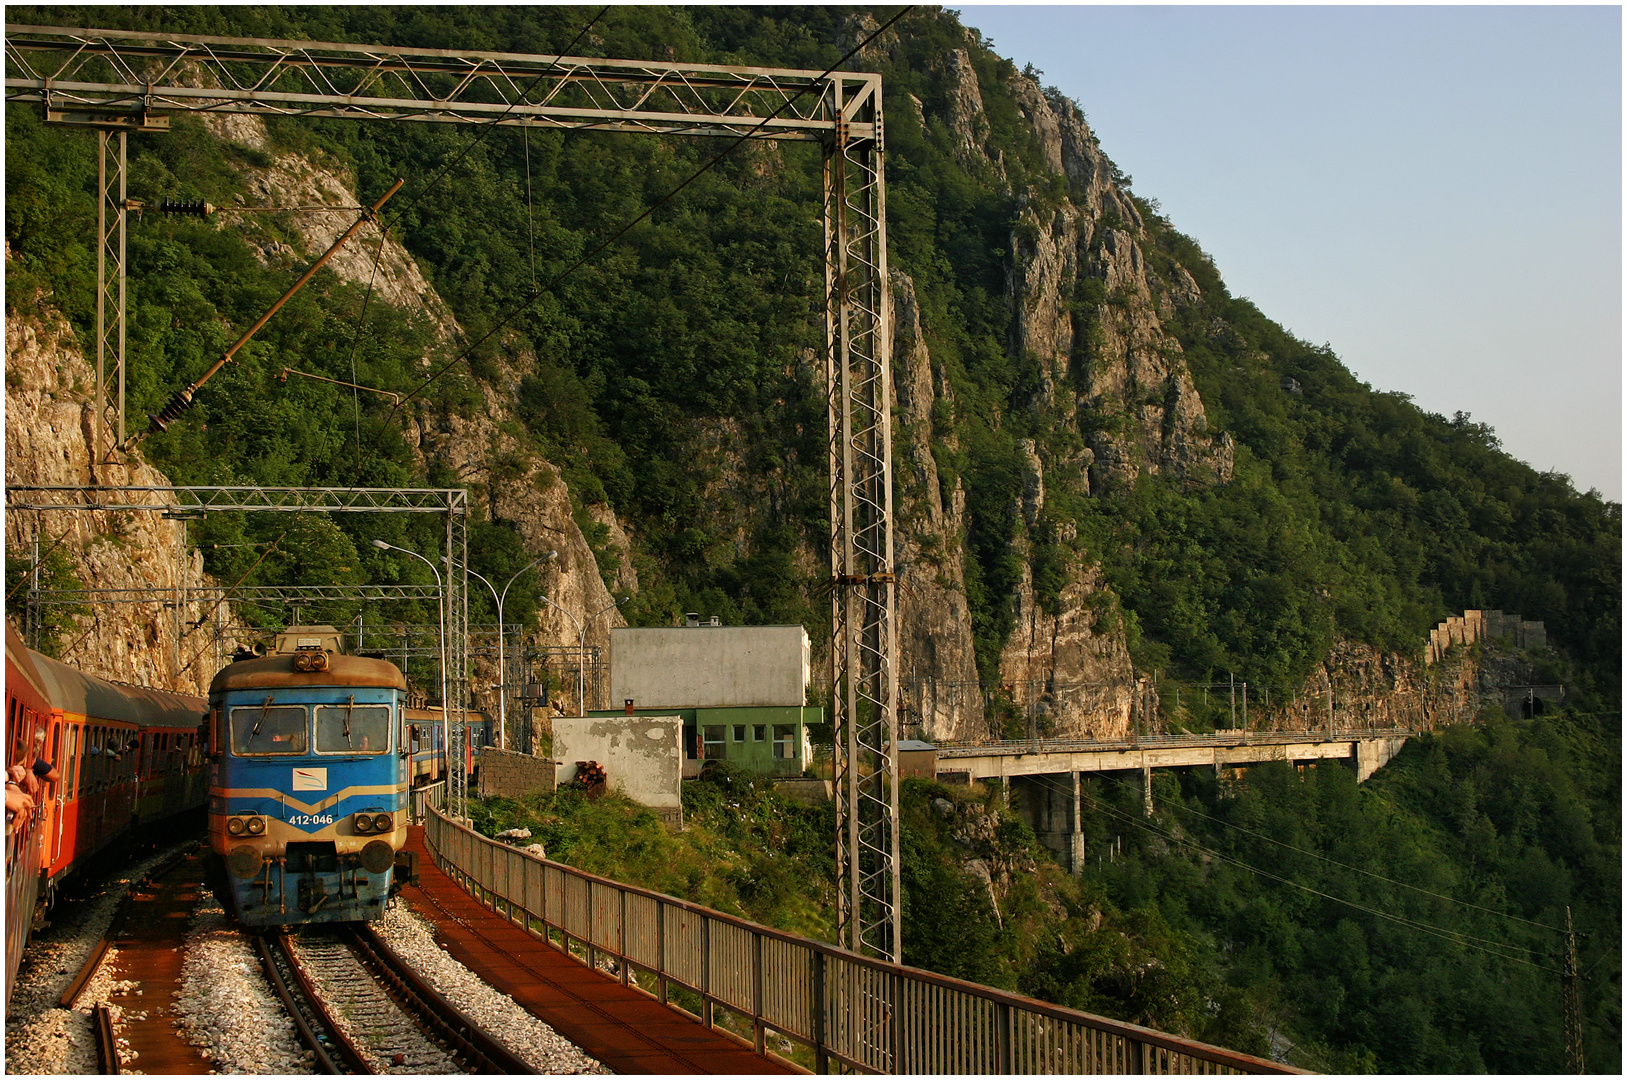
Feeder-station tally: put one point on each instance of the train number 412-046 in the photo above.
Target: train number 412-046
(310, 819)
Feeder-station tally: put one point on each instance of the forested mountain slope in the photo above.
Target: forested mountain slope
(1112, 477)
(1108, 465)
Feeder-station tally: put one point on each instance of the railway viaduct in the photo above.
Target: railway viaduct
(1046, 775)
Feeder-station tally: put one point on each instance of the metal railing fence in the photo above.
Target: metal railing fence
(853, 1013)
(425, 797)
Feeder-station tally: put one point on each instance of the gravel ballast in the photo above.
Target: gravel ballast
(541, 1047)
(226, 1007)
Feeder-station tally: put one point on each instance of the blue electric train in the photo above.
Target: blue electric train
(309, 779)
(314, 755)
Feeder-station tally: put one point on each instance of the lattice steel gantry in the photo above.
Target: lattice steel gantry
(133, 73)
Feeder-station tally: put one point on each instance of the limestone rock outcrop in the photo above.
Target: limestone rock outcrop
(49, 412)
(938, 681)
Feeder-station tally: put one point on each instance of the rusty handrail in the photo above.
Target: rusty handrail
(878, 990)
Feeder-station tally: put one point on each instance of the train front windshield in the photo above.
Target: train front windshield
(352, 729)
(259, 730)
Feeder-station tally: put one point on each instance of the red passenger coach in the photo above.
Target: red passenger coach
(125, 756)
(26, 707)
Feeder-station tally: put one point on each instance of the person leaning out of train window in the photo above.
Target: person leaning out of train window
(26, 781)
(43, 771)
(19, 804)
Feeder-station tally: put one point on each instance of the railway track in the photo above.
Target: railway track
(356, 1006)
(136, 1028)
(361, 1010)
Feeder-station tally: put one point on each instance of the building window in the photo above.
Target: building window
(759, 733)
(740, 733)
(712, 741)
(783, 736)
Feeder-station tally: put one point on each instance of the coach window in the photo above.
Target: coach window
(352, 729)
(265, 730)
(70, 762)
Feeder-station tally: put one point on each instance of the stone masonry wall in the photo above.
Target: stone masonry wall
(511, 775)
(1490, 625)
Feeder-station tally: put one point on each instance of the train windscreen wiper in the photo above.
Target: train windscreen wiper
(349, 707)
(264, 709)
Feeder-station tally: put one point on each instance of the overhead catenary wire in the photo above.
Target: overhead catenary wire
(536, 293)
(1458, 937)
(486, 128)
(1368, 873)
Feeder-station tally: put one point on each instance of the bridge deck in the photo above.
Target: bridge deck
(626, 1030)
(1367, 748)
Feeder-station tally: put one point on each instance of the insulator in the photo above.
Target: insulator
(179, 402)
(188, 207)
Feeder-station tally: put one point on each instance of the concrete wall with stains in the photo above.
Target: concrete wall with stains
(708, 667)
(641, 755)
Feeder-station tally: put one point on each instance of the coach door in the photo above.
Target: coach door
(59, 789)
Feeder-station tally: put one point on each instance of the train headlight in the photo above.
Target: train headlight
(364, 823)
(234, 826)
(381, 822)
(256, 826)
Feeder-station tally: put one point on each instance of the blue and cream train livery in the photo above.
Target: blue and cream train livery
(308, 786)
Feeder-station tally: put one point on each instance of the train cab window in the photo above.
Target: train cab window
(352, 729)
(269, 729)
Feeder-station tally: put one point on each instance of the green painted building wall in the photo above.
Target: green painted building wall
(769, 739)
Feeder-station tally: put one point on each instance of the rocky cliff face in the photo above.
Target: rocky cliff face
(1359, 686)
(1112, 383)
(487, 449)
(48, 428)
(938, 683)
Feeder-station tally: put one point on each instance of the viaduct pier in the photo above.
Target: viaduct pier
(1047, 773)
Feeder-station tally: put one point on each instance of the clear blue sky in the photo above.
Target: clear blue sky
(1434, 191)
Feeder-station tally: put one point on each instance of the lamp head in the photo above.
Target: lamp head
(381, 545)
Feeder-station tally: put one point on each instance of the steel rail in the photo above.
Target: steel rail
(99, 952)
(483, 1052)
(275, 955)
(107, 1046)
(86, 970)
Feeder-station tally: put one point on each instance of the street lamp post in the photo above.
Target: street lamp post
(502, 666)
(582, 650)
(446, 729)
(581, 646)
